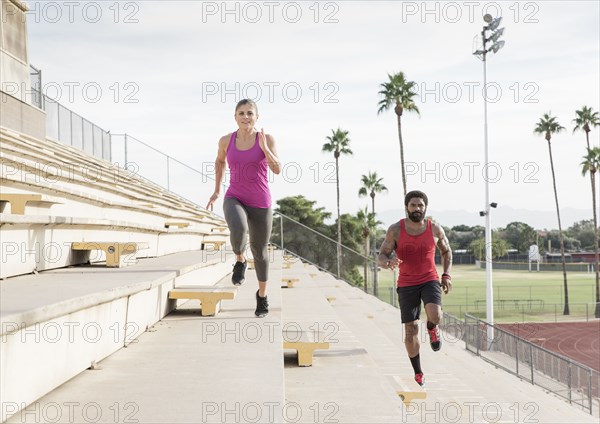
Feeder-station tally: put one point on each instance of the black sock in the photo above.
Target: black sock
(430, 325)
(416, 363)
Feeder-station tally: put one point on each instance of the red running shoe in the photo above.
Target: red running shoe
(420, 379)
(434, 338)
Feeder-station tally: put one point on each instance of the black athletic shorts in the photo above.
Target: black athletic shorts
(410, 298)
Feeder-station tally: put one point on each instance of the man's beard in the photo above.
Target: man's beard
(416, 216)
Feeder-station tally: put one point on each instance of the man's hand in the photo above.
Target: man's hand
(446, 284)
(392, 263)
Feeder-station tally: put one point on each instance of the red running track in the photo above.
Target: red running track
(579, 341)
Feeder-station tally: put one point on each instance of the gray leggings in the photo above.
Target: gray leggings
(241, 220)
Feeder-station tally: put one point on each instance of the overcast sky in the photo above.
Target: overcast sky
(169, 73)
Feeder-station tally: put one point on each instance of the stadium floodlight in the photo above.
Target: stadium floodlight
(494, 24)
(481, 53)
(496, 35)
(497, 46)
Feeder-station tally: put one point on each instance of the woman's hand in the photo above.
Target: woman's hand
(211, 201)
(262, 141)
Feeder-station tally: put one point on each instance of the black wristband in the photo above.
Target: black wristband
(447, 276)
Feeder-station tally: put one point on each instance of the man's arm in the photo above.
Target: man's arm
(386, 251)
(444, 246)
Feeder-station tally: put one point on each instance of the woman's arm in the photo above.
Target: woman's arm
(219, 170)
(267, 144)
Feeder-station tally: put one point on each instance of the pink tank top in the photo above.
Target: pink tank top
(248, 171)
(418, 257)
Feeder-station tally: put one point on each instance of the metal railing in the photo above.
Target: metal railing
(321, 251)
(35, 75)
(66, 126)
(574, 382)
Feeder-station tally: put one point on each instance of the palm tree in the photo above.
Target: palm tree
(585, 119)
(591, 164)
(547, 126)
(338, 143)
(372, 185)
(398, 92)
(369, 227)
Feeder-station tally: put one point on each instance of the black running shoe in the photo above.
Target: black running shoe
(239, 273)
(262, 306)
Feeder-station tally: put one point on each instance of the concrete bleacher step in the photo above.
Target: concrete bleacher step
(76, 316)
(344, 380)
(189, 369)
(26, 164)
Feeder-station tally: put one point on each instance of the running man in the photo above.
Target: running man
(413, 241)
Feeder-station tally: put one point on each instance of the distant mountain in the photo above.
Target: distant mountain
(501, 217)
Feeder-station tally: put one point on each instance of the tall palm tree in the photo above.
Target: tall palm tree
(585, 119)
(372, 185)
(338, 143)
(547, 126)
(369, 227)
(591, 164)
(399, 93)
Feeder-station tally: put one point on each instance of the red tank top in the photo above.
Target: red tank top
(418, 257)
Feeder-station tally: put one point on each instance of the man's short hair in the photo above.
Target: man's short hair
(415, 193)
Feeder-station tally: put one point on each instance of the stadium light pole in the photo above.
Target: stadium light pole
(495, 33)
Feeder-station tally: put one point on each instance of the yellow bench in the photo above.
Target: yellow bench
(407, 390)
(210, 298)
(304, 347)
(290, 282)
(114, 251)
(220, 229)
(18, 201)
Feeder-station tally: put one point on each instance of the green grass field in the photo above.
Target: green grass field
(518, 295)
